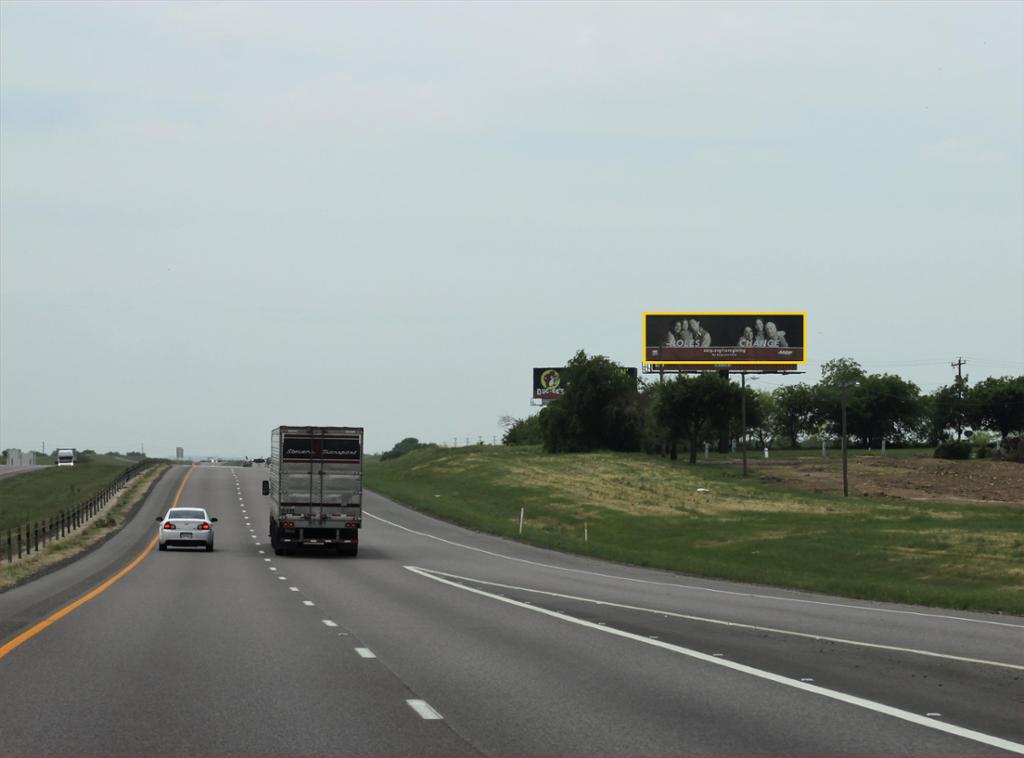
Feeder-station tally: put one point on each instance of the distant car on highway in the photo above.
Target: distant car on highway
(186, 527)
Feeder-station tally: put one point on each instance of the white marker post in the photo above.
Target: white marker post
(586, 534)
(766, 453)
(521, 511)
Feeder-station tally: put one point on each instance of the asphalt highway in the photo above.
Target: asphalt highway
(441, 641)
(6, 470)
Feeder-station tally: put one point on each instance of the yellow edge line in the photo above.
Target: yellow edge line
(30, 633)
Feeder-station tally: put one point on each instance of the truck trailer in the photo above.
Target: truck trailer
(315, 488)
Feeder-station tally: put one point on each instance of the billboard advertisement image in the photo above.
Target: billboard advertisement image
(702, 338)
(549, 382)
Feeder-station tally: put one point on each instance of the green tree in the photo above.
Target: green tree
(692, 409)
(597, 409)
(885, 407)
(839, 377)
(762, 424)
(732, 412)
(793, 412)
(998, 405)
(945, 409)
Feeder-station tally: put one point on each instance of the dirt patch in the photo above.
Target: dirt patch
(989, 482)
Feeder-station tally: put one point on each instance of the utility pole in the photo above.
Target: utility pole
(958, 364)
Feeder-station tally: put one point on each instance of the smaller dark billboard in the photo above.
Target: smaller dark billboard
(548, 382)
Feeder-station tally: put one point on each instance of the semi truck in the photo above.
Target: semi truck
(316, 488)
(65, 456)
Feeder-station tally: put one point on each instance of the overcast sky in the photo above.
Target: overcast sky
(216, 218)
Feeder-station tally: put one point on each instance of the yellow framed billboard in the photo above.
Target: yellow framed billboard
(737, 338)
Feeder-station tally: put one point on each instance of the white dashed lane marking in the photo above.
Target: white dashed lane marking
(422, 707)
(365, 652)
(294, 589)
(328, 622)
(308, 602)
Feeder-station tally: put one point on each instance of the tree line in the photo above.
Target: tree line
(603, 408)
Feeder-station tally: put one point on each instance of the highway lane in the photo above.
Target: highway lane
(6, 470)
(196, 653)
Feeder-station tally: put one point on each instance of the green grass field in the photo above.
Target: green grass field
(648, 511)
(39, 494)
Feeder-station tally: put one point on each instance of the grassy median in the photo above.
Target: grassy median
(706, 520)
(36, 495)
(111, 519)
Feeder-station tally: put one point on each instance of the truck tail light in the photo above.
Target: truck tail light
(351, 525)
(288, 524)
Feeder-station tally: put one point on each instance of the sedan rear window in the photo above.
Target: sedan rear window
(187, 513)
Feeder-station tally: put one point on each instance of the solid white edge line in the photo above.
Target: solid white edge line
(735, 624)
(690, 586)
(365, 652)
(969, 734)
(422, 707)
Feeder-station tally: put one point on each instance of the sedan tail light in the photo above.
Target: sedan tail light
(204, 527)
(169, 525)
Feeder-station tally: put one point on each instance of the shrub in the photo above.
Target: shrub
(954, 450)
(405, 446)
(523, 431)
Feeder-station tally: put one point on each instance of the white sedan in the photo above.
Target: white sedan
(186, 527)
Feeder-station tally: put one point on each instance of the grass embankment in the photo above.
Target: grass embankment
(106, 523)
(40, 494)
(648, 511)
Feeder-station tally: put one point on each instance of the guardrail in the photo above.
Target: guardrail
(26, 539)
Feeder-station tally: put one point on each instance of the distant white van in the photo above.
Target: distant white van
(65, 456)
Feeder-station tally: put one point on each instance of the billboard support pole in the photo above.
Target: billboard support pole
(743, 418)
(846, 484)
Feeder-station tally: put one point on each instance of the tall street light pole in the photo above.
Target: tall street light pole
(846, 481)
(743, 415)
